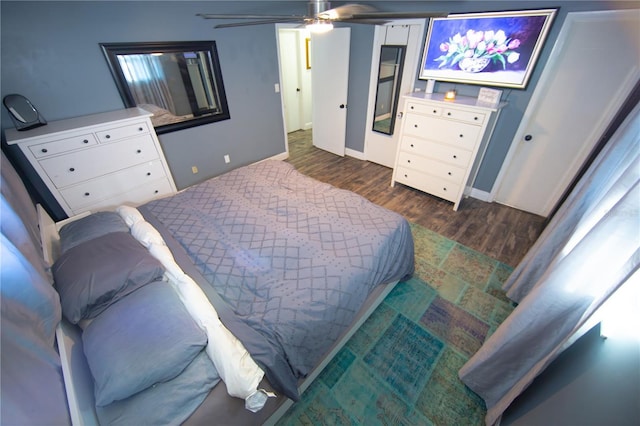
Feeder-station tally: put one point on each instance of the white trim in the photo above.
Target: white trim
(373, 83)
(480, 195)
(282, 156)
(282, 112)
(355, 154)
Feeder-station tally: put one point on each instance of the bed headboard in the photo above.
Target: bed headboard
(32, 385)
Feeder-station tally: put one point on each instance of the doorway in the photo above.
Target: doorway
(295, 76)
(306, 102)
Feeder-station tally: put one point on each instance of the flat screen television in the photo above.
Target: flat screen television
(490, 48)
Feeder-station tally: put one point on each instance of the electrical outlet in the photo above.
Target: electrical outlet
(227, 159)
(194, 169)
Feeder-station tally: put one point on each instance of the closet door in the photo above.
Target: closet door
(577, 96)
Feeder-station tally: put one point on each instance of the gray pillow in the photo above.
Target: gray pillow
(90, 227)
(94, 274)
(170, 402)
(144, 338)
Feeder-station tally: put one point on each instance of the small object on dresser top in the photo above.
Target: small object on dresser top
(450, 95)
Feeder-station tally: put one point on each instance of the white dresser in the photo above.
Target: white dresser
(98, 161)
(442, 144)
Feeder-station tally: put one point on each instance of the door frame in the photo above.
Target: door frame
(536, 98)
(278, 85)
(411, 62)
(293, 113)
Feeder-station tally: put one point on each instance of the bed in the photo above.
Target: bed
(218, 305)
(162, 116)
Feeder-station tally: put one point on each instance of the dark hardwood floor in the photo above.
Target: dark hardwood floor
(498, 231)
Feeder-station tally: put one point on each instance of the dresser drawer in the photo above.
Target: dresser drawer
(134, 197)
(466, 116)
(446, 153)
(85, 164)
(432, 167)
(427, 183)
(63, 145)
(102, 188)
(122, 132)
(449, 132)
(433, 110)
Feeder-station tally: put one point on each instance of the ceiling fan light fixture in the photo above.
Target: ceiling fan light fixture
(319, 26)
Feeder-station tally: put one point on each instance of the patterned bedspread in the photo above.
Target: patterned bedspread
(294, 258)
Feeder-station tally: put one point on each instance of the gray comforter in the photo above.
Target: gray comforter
(291, 257)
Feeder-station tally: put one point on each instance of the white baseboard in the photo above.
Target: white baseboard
(282, 156)
(353, 153)
(481, 195)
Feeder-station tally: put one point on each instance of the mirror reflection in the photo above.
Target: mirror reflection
(388, 90)
(23, 114)
(180, 83)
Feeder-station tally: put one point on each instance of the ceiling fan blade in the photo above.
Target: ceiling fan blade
(244, 16)
(346, 11)
(260, 22)
(399, 15)
(376, 21)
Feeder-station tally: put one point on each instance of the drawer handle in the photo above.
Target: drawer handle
(408, 161)
(411, 145)
(449, 173)
(86, 141)
(449, 113)
(156, 191)
(86, 194)
(138, 151)
(411, 107)
(405, 175)
(415, 125)
(44, 150)
(140, 129)
(72, 169)
(461, 135)
(435, 111)
(455, 156)
(107, 136)
(444, 189)
(475, 118)
(148, 173)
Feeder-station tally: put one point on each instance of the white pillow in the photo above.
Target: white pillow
(130, 215)
(146, 234)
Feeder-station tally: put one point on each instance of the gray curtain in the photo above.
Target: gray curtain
(147, 81)
(590, 248)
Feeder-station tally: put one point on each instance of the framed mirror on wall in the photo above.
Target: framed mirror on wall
(179, 82)
(388, 88)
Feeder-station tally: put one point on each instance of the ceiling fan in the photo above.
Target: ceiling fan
(320, 16)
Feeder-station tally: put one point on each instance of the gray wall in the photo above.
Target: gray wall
(50, 54)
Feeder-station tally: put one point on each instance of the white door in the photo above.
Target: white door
(592, 68)
(290, 78)
(329, 84)
(379, 147)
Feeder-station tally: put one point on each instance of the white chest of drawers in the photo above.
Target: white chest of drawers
(442, 144)
(98, 161)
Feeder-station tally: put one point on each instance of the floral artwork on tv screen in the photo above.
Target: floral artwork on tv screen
(493, 48)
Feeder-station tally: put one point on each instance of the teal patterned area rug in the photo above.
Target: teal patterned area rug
(401, 367)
